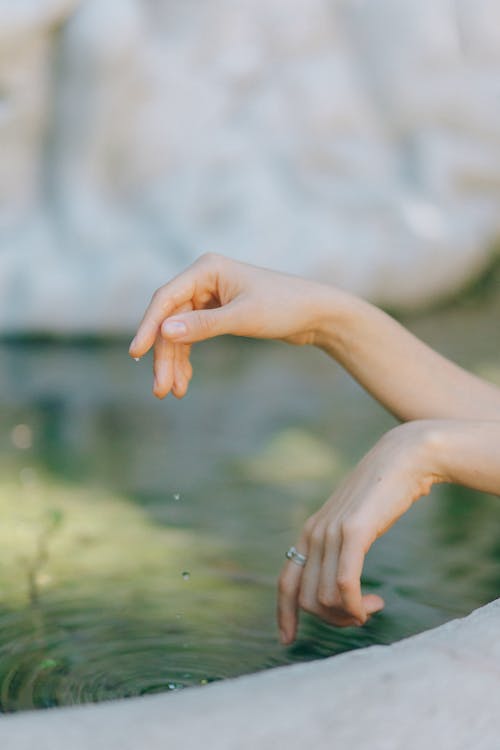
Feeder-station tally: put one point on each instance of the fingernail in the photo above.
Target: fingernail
(174, 328)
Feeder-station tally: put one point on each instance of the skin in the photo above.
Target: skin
(451, 418)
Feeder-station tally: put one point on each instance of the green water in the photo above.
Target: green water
(140, 541)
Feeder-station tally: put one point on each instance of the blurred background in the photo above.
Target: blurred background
(356, 141)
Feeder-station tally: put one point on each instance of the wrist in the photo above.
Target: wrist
(421, 444)
(335, 314)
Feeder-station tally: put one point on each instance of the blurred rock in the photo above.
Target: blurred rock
(356, 140)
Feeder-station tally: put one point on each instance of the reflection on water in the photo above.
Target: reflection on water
(140, 541)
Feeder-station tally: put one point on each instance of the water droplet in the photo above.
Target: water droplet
(22, 436)
(172, 686)
(186, 575)
(204, 681)
(137, 359)
(177, 496)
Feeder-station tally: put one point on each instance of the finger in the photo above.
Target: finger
(350, 567)
(199, 325)
(163, 367)
(328, 594)
(179, 385)
(163, 303)
(188, 367)
(308, 594)
(288, 594)
(183, 370)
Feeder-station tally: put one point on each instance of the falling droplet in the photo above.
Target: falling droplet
(186, 575)
(172, 686)
(204, 681)
(137, 359)
(177, 496)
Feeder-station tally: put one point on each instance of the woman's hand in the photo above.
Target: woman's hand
(382, 487)
(217, 295)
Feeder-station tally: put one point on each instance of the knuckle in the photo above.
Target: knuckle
(344, 583)
(326, 598)
(157, 294)
(209, 257)
(309, 526)
(316, 535)
(331, 533)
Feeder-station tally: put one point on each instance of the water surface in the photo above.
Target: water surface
(141, 541)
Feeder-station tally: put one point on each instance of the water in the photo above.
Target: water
(141, 541)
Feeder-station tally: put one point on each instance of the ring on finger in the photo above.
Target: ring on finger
(296, 557)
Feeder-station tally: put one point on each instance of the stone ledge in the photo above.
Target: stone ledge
(439, 689)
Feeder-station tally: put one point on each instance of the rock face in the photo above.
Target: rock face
(355, 140)
(439, 689)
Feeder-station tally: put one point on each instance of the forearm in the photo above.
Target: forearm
(405, 375)
(465, 452)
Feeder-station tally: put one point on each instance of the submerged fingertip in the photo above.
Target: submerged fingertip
(285, 639)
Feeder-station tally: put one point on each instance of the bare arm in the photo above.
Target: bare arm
(400, 468)
(452, 430)
(405, 375)
(217, 296)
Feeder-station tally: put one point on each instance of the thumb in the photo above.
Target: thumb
(197, 325)
(373, 603)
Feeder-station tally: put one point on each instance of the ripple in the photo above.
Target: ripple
(70, 653)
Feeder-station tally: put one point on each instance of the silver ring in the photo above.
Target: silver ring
(296, 557)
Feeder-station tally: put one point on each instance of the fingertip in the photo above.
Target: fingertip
(159, 391)
(180, 387)
(287, 626)
(284, 639)
(138, 348)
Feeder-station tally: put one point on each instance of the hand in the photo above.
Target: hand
(337, 537)
(217, 295)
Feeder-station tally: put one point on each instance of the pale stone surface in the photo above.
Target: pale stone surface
(436, 690)
(353, 140)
